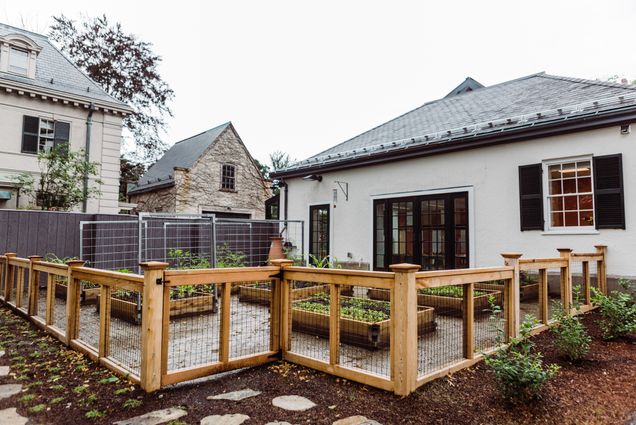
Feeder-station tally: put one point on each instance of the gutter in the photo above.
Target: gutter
(87, 152)
(553, 127)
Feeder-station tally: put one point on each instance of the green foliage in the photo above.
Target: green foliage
(618, 310)
(183, 260)
(60, 186)
(364, 310)
(570, 336)
(225, 257)
(109, 380)
(449, 291)
(323, 263)
(27, 397)
(57, 400)
(520, 372)
(80, 389)
(132, 403)
(37, 408)
(93, 414)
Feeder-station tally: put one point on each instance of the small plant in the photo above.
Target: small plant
(90, 399)
(450, 291)
(57, 387)
(93, 414)
(618, 310)
(369, 311)
(80, 389)
(57, 400)
(121, 391)
(132, 403)
(37, 408)
(27, 397)
(570, 336)
(225, 257)
(109, 380)
(519, 372)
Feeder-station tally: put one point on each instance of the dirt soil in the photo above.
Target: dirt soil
(62, 386)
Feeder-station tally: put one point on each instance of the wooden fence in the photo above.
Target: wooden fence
(200, 322)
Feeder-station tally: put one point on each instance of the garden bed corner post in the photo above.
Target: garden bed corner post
(34, 285)
(72, 302)
(151, 325)
(281, 311)
(404, 329)
(601, 269)
(512, 296)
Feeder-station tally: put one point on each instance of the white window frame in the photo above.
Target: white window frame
(28, 58)
(547, 212)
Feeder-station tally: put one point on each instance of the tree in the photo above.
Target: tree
(126, 68)
(130, 172)
(61, 183)
(278, 160)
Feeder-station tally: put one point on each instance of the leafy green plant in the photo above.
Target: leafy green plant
(37, 408)
(369, 311)
(519, 371)
(618, 310)
(225, 257)
(93, 414)
(324, 262)
(570, 336)
(90, 399)
(80, 389)
(132, 403)
(57, 400)
(183, 260)
(449, 291)
(121, 391)
(27, 397)
(109, 380)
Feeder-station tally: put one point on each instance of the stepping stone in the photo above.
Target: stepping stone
(278, 423)
(8, 390)
(355, 420)
(294, 403)
(11, 417)
(235, 395)
(4, 370)
(233, 419)
(1, 353)
(154, 418)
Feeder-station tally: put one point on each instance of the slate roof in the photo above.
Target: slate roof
(53, 65)
(503, 106)
(182, 154)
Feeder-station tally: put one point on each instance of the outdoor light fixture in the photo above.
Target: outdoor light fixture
(315, 177)
(626, 129)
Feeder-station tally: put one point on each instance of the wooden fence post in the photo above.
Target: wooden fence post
(281, 313)
(72, 301)
(543, 297)
(404, 328)
(151, 322)
(34, 286)
(601, 269)
(8, 281)
(566, 279)
(586, 283)
(512, 309)
(469, 321)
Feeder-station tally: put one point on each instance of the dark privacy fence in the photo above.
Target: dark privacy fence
(41, 232)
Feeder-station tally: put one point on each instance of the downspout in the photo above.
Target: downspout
(87, 152)
(284, 183)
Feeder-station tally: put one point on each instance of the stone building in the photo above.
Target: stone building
(211, 172)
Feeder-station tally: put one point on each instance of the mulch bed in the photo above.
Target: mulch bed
(601, 390)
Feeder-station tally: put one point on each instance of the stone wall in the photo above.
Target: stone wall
(160, 200)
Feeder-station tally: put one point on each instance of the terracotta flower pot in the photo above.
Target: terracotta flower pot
(276, 249)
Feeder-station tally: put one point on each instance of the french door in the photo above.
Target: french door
(319, 232)
(431, 231)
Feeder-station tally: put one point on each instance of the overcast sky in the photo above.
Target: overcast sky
(301, 76)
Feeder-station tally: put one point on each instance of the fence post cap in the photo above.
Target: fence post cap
(600, 246)
(75, 263)
(564, 249)
(513, 255)
(282, 262)
(404, 267)
(35, 257)
(154, 265)
(10, 254)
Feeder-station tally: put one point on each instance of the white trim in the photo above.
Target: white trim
(545, 178)
(471, 215)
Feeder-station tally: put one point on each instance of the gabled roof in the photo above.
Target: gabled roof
(55, 72)
(458, 121)
(182, 154)
(467, 85)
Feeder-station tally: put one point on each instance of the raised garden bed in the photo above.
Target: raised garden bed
(364, 323)
(88, 296)
(124, 306)
(447, 300)
(261, 293)
(529, 292)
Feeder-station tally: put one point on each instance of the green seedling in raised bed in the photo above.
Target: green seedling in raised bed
(369, 311)
(57, 400)
(449, 291)
(80, 389)
(27, 397)
(109, 380)
(57, 387)
(132, 403)
(93, 414)
(37, 408)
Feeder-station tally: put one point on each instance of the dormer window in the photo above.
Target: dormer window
(19, 61)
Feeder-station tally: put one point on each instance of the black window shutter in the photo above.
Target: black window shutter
(62, 132)
(30, 128)
(609, 210)
(531, 196)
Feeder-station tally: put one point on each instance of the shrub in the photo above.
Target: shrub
(618, 310)
(520, 372)
(570, 336)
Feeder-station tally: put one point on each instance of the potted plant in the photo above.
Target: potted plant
(363, 322)
(448, 300)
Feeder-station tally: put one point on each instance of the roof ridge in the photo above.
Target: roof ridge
(203, 132)
(24, 30)
(596, 82)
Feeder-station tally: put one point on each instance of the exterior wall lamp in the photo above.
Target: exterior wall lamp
(315, 177)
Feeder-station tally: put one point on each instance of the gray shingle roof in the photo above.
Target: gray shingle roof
(505, 102)
(53, 65)
(182, 154)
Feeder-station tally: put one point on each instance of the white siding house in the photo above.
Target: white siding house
(529, 165)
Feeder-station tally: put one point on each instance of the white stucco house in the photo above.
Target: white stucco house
(46, 100)
(527, 165)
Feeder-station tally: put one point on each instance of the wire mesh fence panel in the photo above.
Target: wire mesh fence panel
(443, 346)
(310, 312)
(194, 326)
(489, 314)
(124, 330)
(529, 301)
(110, 245)
(40, 311)
(89, 314)
(554, 291)
(250, 321)
(59, 285)
(365, 329)
(25, 275)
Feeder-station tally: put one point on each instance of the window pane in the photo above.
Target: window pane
(568, 170)
(585, 202)
(585, 184)
(460, 211)
(556, 204)
(571, 218)
(555, 171)
(555, 187)
(569, 186)
(587, 218)
(557, 219)
(570, 203)
(583, 168)
(18, 61)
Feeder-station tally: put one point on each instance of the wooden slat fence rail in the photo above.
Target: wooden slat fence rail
(168, 326)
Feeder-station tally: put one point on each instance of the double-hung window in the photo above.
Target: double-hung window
(570, 194)
(41, 134)
(228, 177)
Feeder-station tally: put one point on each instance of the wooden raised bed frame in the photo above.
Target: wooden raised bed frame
(88, 296)
(443, 304)
(183, 307)
(252, 294)
(528, 292)
(355, 332)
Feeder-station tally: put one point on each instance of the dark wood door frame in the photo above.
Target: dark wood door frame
(312, 208)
